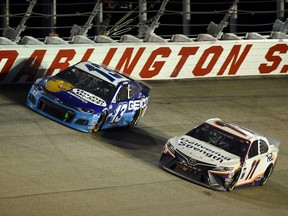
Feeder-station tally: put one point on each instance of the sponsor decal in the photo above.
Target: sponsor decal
(78, 97)
(56, 85)
(269, 157)
(156, 61)
(136, 104)
(207, 152)
(87, 96)
(125, 107)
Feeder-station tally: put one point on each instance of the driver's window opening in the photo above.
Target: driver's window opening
(123, 93)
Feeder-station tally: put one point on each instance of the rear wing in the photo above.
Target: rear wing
(274, 142)
(144, 86)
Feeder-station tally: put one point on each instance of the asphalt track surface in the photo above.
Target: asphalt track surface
(49, 169)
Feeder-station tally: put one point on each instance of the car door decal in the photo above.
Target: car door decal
(119, 112)
(253, 168)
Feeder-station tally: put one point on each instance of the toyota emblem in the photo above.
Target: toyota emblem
(192, 161)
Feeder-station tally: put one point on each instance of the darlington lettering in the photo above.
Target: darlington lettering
(204, 150)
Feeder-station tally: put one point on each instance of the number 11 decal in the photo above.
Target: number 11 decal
(254, 165)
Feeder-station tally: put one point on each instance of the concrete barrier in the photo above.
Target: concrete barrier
(23, 63)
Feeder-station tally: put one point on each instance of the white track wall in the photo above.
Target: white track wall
(157, 61)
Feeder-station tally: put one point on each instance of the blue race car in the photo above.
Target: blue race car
(89, 97)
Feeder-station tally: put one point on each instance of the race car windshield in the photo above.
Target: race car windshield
(88, 82)
(220, 139)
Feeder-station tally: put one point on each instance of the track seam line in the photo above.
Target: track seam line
(87, 189)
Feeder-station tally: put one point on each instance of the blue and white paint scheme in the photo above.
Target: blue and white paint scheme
(90, 97)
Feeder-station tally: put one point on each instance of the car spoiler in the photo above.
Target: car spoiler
(144, 86)
(273, 142)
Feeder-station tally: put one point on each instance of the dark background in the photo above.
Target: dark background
(253, 16)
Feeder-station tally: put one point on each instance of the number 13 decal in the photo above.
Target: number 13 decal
(119, 112)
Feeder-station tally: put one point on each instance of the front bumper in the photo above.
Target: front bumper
(200, 175)
(55, 110)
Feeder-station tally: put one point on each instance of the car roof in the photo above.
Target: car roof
(233, 128)
(104, 73)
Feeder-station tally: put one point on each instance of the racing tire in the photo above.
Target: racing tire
(100, 122)
(136, 118)
(266, 175)
(235, 178)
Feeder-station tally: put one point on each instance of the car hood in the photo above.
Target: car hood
(63, 92)
(204, 152)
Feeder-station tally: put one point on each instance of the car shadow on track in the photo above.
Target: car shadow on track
(16, 93)
(141, 142)
(131, 138)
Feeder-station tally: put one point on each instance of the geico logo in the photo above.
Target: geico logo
(136, 104)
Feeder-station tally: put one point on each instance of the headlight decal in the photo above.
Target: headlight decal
(90, 111)
(169, 148)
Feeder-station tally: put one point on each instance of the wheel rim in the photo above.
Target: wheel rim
(234, 181)
(100, 122)
(266, 175)
(136, 117)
